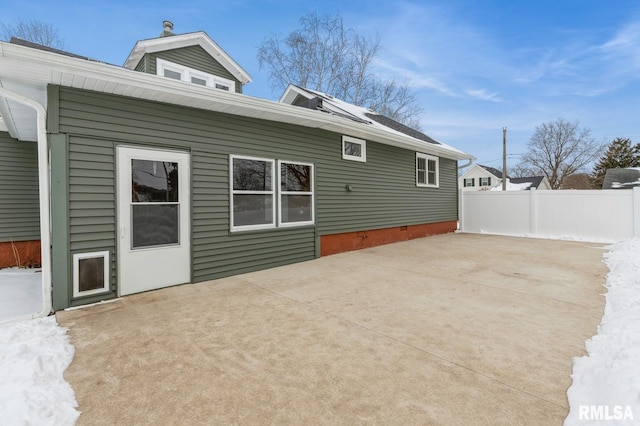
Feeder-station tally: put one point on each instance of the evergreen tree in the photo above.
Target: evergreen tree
(620, 154)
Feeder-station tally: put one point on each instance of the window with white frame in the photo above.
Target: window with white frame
(469, 182)
(252, 193)
(296, 194)
(354, 149)
(180, 72)
(427, 170)
(90, 273)
(484, 181)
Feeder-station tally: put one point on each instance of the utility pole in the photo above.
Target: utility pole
(504, 158)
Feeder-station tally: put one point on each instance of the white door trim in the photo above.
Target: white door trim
(154, 267)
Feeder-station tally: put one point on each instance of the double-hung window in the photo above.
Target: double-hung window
(252, 193)
(427, 170)
(485, 181)
(256, 195)
(296, 194)
(469, 182)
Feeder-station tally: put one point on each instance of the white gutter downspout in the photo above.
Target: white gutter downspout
(43, 178)
(470, 160)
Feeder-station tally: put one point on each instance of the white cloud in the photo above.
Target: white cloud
(483, 95)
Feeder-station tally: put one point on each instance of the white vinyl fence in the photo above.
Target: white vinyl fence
(599, 216)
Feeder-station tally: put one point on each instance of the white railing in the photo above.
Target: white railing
(599, 216)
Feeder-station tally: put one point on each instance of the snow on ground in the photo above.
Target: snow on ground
(20, 293)
(33, 356)
(606, 383)
(512, 186)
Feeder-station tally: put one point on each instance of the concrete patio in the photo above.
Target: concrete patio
(452, 329)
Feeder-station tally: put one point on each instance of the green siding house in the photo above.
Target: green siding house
(162, 172)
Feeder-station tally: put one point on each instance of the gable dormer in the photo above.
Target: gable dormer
(193, 58)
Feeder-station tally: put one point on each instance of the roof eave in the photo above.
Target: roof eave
(43, 68)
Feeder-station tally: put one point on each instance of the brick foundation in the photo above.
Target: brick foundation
(27, 251)
(338, 243)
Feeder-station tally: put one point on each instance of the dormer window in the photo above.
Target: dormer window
(179, 72)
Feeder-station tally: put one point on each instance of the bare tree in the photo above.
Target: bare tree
(325, 56)
(34, 31)
(578, 181)
(520, 170)
(559, 149)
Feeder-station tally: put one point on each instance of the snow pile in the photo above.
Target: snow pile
(606, 383)
(33, 357)
(512, 186)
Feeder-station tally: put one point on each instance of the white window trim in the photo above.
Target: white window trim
(281, 193)
(186, 73)
(76, 273)
(363, 146)
(427, 158)
(239, 191)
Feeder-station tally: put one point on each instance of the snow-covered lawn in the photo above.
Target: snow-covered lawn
(606, 383)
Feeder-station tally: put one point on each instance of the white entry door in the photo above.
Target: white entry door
(153, 219)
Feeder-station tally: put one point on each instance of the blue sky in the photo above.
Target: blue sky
(476, 65)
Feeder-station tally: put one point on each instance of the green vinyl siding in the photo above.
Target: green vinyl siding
(384, 191)
(19, 202)
(193, 57)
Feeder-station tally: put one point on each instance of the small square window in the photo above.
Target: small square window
(354, 149)
(198, 81)
(172, 74)
(427, 170)
(90, 273)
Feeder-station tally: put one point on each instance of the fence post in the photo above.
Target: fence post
(636, 212)
(533, 219)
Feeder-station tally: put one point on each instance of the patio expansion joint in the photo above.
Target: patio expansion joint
(403, 343)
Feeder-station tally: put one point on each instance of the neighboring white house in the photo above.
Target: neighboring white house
(485, 178)
(479, 178)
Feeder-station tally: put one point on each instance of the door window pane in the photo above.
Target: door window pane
(155, 225)
(154, 181)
